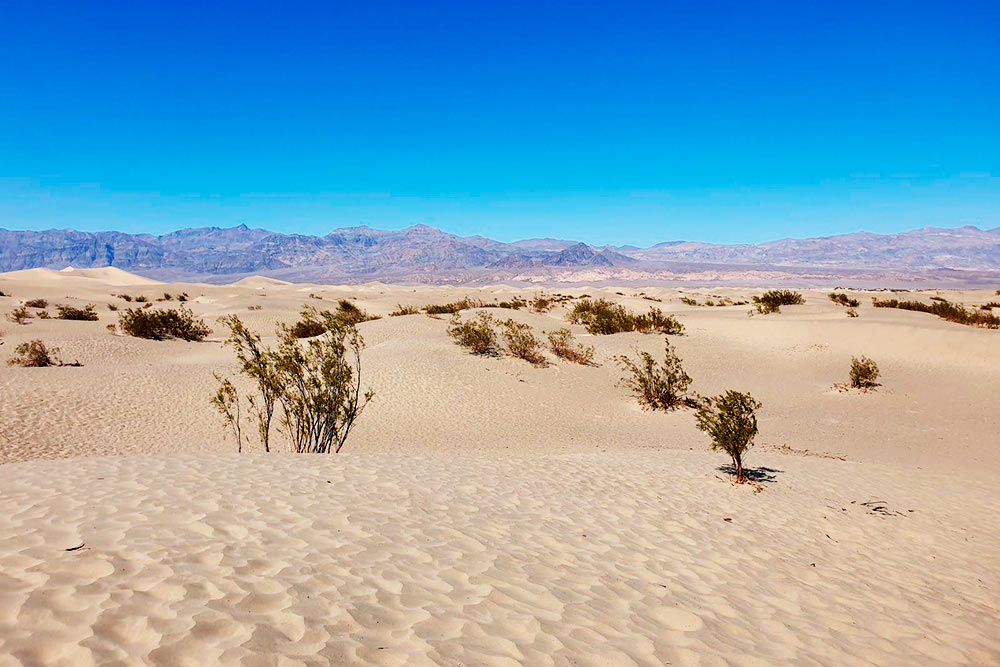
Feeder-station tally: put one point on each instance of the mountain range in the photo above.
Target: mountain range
(425, 254)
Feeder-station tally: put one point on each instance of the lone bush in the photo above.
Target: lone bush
(479, 335)
(19, 315)
(404, 310)
(309, 326)
(864, 373)
(521, 342)
(85, 314)
(36, 303)
(657, 386)
(317, 384)
(351, 314)
(843, 300)
(730, 420)
(604, 317)
(35, 354)
(561, 342)
(162, 324)
(772, 301)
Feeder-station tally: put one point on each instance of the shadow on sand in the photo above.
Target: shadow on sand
(760, 475)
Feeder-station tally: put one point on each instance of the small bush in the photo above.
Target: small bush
(254, 307)
(163, 324)
(521, 342)
(730, 420)
(542, 303)
(35, 354)
(990, 306)
(864, 373)
(351, 314)
(657, 386)
(125, 297)
(688, 301)
(85, 314)
(843, 300)
(112, 307)
(772, 301)
(946, 310)
(19, 315)
(2, 293)
(44, 315)
(404, 310)
(182, 297)
(851, 312)
(603, 317)
(479, 335)
(141, 299)
(451, 308)
(561, 342)
(37, 303)
(307, 327)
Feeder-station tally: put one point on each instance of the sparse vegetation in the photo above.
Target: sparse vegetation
(772, 300)
(125, 297)
(85, 314)
(564, 346)
(864, 373)
(478, 335)
(843, 300)
(44, 315)
(19, 315)
(542, 303)
(141, 299)
(2, 293)
(990, 306)
(657, 386)
(404, 310)
(36, 303)
(730, 420)
(851, 312)
(167, 296)
(521, 342)
(309, 326)
(953, 312)
(317, 383)
(35, 354)
(254, 307)
(112, 307)
(351, 314)
(604, 317)
(451, 308)
(163, 324)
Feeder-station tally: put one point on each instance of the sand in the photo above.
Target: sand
(486, 511)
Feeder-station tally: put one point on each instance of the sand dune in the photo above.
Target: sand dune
(490, 512)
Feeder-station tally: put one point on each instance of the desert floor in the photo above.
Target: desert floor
(487, 511)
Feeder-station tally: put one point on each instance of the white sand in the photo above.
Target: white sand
(489, 512)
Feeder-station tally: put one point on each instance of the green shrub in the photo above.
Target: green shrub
(85, 314)
(451, 308)
(37, 303)
(317, 384)
(479, 335)
(163, 324)
(521, 342)
(843, 300)
(864, 373)
(351, 314)
(953, 312)
(404, 310)
(35, 354)
(730, 420)
(562, 344)
(657, 386)
(772, 301)
(604, 317)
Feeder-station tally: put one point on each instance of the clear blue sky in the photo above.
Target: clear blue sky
(606, 122)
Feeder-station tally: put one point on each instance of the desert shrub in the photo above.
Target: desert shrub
(688, 301)
(35, 354)
(85, 314)
(125, 297)
(167, 296)
(141, 299)
(36, 303)
(183, 296)
(451, 308)
(864, 373)
(542, 303)
(317, 384)
(730, 420)
(521, 342)
(44, 315)
(604, 317)
(843, 300)
(404, 310)
(516, 303)
(939, 298)
(990, 306)
(478, 335)
(309, 326)
(647, 297)
(851, 312)
(315, 296)
(351, 314)
(772, 300)
(162, 324)
(953, 312)
(563, 345)
(2, 293)
(19, 315)
(657, 386)
(112, 307)
(253, 307)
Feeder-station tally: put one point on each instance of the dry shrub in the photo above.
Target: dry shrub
(351, 314)
(657, 386)
(85, 314)
(772, 300)
(35, 354)
(843, 300)
(946, 310)
(564, 346)
(864, 373)
(36, 303)
(605, 317)
(404, 310)
(162, 324)
(477, 335)
(19, 315)
(542, 303)
(521, 342)
(851, 312)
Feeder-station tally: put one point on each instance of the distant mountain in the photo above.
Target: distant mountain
(422, 253)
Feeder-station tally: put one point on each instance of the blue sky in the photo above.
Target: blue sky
(606, 122)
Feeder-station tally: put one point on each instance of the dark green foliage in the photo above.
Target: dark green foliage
(521, 342)
(772, 300)
(843, 299)
(953, 312)
(37, 303)
(86, 314)
(604, 317)
(140, 299)
(163, 324)
(730, 420)
(351, 314)
(309, 326)
(478, 335)
(563, 345)
(864, 373)
(34, 354)
(657, 386)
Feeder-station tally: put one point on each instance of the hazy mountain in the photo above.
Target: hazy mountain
(425, 253)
